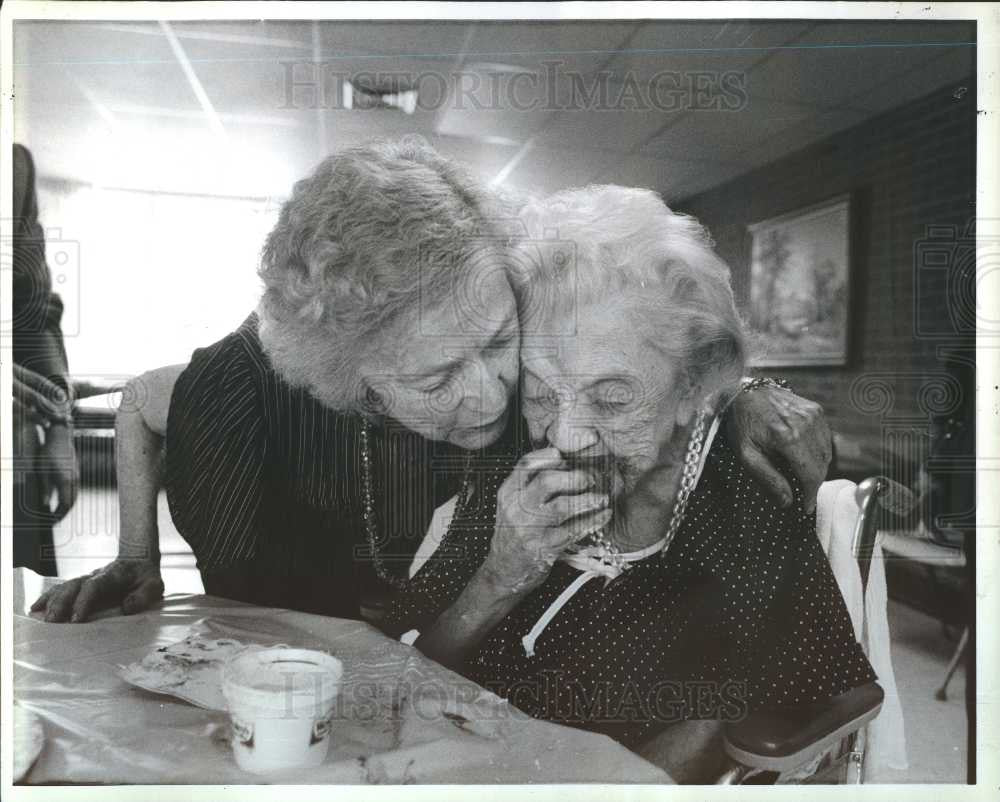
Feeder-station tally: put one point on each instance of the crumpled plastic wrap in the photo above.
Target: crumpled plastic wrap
(400, 717)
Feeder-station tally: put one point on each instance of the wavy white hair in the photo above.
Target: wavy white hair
(371, 234)
(617, 239)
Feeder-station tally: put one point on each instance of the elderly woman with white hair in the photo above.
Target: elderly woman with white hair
(629, 574)
(306, 452)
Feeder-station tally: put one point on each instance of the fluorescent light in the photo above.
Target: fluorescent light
(361, 98)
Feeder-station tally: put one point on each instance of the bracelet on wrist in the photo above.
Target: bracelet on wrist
(746, 385)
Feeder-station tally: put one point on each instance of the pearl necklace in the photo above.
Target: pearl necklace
(610, 554)
(368, 508)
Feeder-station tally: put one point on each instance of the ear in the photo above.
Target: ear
(690, 398)
(374, 400)
(372, 397)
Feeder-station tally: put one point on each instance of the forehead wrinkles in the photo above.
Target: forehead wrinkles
(646, 394)
(578, 361)
(608, 350)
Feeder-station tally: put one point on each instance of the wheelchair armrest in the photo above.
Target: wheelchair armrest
(783, 738)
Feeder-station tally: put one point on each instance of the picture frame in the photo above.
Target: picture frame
(800, 286)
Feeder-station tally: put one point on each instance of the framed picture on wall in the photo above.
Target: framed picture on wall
(800, 286)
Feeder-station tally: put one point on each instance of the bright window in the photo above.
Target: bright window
(148, 277)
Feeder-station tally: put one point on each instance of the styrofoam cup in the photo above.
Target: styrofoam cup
(280, 704)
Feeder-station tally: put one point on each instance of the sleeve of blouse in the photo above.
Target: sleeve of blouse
(796, 643)
(444, 574)
(215, 454)
(37, 334)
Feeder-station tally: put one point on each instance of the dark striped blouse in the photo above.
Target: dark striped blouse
(264, 483)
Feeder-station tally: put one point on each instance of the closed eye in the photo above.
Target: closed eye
(611, 406)
(444, 382)
(614, 396)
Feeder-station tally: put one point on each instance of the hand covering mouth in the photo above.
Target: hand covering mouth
(600, 467)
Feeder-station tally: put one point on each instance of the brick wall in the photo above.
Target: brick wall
(907, 170)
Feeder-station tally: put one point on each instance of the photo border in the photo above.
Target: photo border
(988, 364)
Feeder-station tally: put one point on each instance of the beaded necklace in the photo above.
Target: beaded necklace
(368, 507)
(609, 553)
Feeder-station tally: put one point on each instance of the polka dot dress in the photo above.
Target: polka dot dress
(744, 611)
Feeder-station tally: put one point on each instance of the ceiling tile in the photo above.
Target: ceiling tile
(347, 128)
(263, 86)
(831, 61)
(720, 135)
(484, 159)
(407, 43)
(276, 85)
(75, 44)
(795, 138)
(45, 83)
(827, 123)
(489, 101)
(544, 170)
(954, 65)
(700, 46)
(510, 127)
(241, 75)
(265, 34)
(111, 65)
(776, 147)
(620, 129)
(139, 84)
(668, 176)
(577, 46)
(70, 79)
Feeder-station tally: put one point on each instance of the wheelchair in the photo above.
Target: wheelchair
(828, 738)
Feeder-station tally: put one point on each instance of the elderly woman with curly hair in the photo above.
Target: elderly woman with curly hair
(305, 453)
(628, 574)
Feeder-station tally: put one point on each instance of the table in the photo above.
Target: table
(99, 729)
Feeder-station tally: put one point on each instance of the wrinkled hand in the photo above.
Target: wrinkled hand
(136, 585)
(57, 468)
(542, 508)
(770, 427)
(39, 400)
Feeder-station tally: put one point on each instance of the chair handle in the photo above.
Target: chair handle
(872, 493)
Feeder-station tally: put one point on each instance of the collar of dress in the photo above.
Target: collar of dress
(592, 561)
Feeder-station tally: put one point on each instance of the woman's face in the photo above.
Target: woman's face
(609, 400)
(448, 371)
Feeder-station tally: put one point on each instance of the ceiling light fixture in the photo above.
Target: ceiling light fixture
(357, 96)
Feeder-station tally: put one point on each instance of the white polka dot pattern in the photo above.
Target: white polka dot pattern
(743, 612)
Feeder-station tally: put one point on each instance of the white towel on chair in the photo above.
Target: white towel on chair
(837, 514)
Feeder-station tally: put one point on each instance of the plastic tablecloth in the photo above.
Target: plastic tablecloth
(402, 718)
